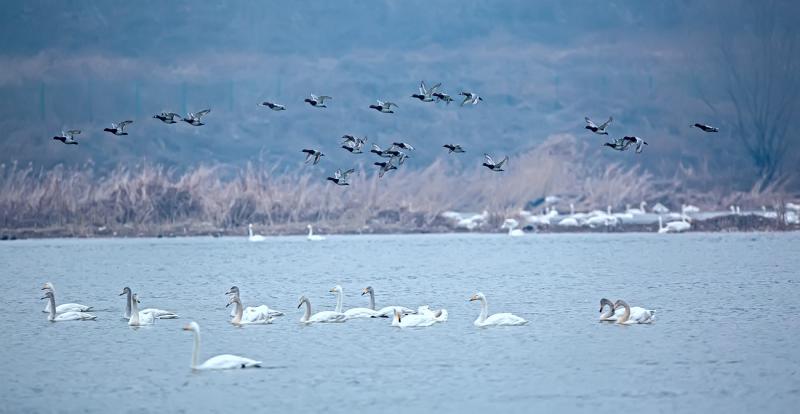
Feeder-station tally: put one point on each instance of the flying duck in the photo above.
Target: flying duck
(451, 148)
(118, 129)
(340, 178)
(167, 117)
(273, 106)
(384, 107)
(632, 140)
(599, 130)
(353, 144)
(318, 101)
(494, 166)
(388, 153)
(470, 98)
(706, 128)
(617, 144)
(385, 167)
(194, 118)
(441, 96)
(425, 94)
(313, 153)
(402, 145)
(68, 137)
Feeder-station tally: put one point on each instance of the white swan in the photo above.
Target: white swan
(640, 210)
(437, 315)
(220, 361)
(319, 317)
(252, 236)
(158, 313)
(405, 321)
(66, 316)
(354, 312)
(253, 313)
(673, 226)
(609, 315)
(139, 319)
(313, 237)
(385, 311)
(64, 307)
(237, 319)
(512, 225)
(635, 315)
(498, 319)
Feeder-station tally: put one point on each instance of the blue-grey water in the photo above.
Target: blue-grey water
(726, 338)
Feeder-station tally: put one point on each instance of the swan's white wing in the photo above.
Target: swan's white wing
(314, 98)
(228, 362)
(74, 316)
(641, 315)
(388, 311)
(589, 123)
(489, 159)
(160, 313)
(327, 316)
(504, 319)
(360, 313)
(605, 124)
(72, 307)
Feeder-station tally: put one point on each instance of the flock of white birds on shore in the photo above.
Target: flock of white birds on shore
(400, 316)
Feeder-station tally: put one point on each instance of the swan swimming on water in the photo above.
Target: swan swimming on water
(66, 316)
(220, 361)
(512, 225)
(609, 314)
(252, 236)
(319, 317)
(64, 307)
(406, 321)
(498, 319)
(253, 313)
(239, 312)
(679, 226)
(385, 311)
(635, 315)
(158, 313)
(313, 237)
(137, 318)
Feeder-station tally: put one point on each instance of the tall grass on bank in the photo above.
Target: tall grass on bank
(150, 198)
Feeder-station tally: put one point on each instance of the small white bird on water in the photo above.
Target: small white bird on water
(313, 237)
(252, 236)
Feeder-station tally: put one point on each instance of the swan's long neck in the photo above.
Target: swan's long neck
(250, 231)
(484, 310)
(660, 223)
(239, 312)
(339, 300)
(134, 317)
(128, 306)
(372, 300)
(609, 313)
(310, 231)
(52, 303)
(47, 305)
(196, 349)
(625, 315)
(307, 315)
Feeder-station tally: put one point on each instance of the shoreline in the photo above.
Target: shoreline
(723, 224)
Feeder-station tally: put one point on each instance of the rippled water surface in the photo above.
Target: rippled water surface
(726, 339)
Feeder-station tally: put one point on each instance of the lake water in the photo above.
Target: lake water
(726, 338)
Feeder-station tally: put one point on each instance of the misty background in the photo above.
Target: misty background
(656, 67)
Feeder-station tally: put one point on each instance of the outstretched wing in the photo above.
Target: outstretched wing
(347, 173)
(589, 123)
(173, 114)
(500, 164)
(314, 98)
(376, 148)
(389, 105)
(605, 124)
(467, 98)
(422, 89)
(72, 132)
(489, 159)
(324, 97)
(201, 113)
(123, 124)
(348, 138)
(434, 88)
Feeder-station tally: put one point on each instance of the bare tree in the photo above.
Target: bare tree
(761, 75)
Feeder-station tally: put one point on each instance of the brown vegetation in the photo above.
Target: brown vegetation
(149, 199)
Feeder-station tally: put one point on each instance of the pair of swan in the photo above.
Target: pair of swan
(366, 312)
(251, 314)
(225, 361)
(425, 316)
(631, 315)
(144, 317)
(238, 310)
(498, 319)
(64, 316)
(64, 307)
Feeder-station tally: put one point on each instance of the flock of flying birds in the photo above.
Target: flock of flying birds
(393, 156)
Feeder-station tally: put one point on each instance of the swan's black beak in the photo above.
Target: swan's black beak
(44, 297)
(44, 288)
(299, 305)
(229, 304)
(121, 294)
